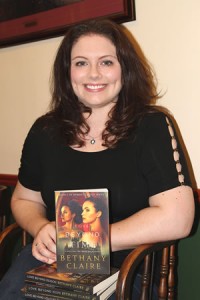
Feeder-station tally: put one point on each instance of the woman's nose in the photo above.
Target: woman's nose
(95, 71)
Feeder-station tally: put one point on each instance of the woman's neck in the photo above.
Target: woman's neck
(96, 121)
(68, 225)
(96, 226)
(93, 139)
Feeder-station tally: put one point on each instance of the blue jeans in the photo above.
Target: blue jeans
(13, 281)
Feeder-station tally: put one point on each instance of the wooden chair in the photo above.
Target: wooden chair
(146, 254)
(6, 217)
(143, 253)
(12, 240)
(2, 207)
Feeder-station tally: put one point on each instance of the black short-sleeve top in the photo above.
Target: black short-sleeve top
(150, 162)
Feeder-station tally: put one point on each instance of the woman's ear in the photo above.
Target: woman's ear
(99, 214)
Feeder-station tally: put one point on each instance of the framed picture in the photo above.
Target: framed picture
(23, 21)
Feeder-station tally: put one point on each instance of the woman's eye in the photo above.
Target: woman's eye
(107, 63)
(80, 63)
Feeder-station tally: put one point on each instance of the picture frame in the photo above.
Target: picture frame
(26, 23)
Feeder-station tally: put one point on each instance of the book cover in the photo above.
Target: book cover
(82, 228)
(66, 294)
(47, 275)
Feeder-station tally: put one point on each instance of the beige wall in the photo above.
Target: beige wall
(168, 32)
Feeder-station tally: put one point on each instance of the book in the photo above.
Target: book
(33, 291)
(47, 275)
(29, 295)
(82, 231)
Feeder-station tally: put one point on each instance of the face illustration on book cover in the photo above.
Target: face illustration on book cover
(82, 226)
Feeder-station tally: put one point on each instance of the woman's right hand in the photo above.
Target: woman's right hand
(44, 244)
(29, 211)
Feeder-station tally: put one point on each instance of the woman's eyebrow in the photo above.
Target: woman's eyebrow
(108, 55)
(83, 57)
(103, 56)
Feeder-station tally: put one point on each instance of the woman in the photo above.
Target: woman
(102, 131)
(70, 216)
(94, 215)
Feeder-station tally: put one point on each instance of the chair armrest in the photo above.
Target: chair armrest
(131, 262)
(8, 233)
(8, 240)
(12, 231)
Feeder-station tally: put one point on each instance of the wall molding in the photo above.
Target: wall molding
(8, 179)
(11, 180)
(197, 195)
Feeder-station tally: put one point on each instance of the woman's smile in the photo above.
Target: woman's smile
(95, 87)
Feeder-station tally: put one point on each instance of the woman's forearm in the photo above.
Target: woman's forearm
(28, 209)
(169, 217)
(143, 227)
(29, 215)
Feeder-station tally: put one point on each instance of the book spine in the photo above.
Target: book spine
(29, 295)
(61, 294)
(58, 283)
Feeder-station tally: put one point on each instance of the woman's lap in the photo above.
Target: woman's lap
(13, 281)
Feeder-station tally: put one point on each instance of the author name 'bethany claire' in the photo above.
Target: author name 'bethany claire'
(83, 262)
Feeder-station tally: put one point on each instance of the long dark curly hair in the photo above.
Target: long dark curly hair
(136, 96)
(75, 208)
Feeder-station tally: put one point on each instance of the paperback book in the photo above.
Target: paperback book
(82, 229)
(37, 291)
(47, 276)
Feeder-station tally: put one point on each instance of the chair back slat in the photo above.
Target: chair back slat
(164, 270)
(171, 277)
(2, 208)
(147, 255)
(24, 238)
(146, 278)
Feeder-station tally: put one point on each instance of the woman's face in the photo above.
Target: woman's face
(95, 71)
(89, 214)
(66, 214)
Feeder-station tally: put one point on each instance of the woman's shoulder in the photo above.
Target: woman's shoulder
(44, 126)
(158, 117)
(154, 124)
(44, 122)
